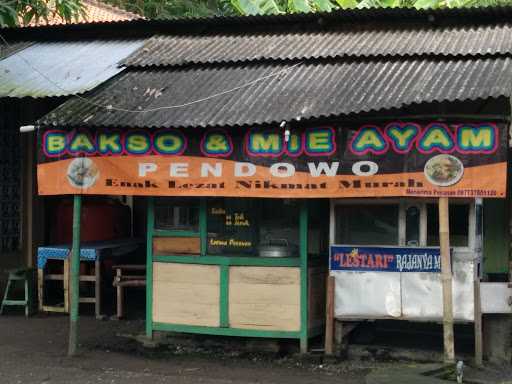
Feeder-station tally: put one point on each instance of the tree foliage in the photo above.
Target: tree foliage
(164, 9)
(267, 7)
(201, 8)
(16, 12)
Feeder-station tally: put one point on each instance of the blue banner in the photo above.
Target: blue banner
(385, 259)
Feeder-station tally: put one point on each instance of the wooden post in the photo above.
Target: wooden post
(75, 277)
(446, 278)
(476, 286)
(97, 288)
(40, 288)
(120, 294)
(303, 252)
(65, 282)
(329, 316)
(27, 234)
(478, 325)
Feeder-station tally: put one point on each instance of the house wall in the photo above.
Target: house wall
(20, 208)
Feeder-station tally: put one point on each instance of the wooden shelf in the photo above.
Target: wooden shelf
(230, 260)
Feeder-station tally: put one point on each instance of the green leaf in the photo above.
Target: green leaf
(295, 6)
(15, 12)
(424, 4)
(347, 4)
(369, 4)
(28, 16)
(256, 7)
(391, 3)
(323, 5)
(8, 14)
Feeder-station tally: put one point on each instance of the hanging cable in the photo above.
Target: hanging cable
(283, 71)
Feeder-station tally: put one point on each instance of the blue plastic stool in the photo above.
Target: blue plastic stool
(27, 276)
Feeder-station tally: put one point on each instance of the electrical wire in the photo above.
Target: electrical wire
(109, 107)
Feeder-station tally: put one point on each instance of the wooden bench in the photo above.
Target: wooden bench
(92, 254)
(127, 275)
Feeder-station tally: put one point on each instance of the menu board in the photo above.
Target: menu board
(232, 227)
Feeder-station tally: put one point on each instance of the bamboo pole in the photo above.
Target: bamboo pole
(446, 278)
(75, 277)
(329, 316)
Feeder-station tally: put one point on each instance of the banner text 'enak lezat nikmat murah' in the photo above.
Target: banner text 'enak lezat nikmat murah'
(396, 159)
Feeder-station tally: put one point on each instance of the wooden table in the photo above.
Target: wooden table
(94, 252)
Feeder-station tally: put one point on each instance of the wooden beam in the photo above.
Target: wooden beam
(150, 221)
(303, 251)
(478, 325)
(27, 220)
(120, 278)
(132, 283)
(97, 288)
(446, 278)
(119, 293)
(40, 288)
(88, 300)
(65, 283)
(329, 316)
(53, 276)
(476, 286)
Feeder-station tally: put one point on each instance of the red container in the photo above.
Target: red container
(102, 219)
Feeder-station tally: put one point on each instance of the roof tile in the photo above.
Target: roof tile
(96, 12)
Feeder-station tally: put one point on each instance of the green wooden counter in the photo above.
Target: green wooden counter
(229, 295)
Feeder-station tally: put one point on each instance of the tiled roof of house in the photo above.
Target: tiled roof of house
(96, 12)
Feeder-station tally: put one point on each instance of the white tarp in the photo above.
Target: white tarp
(403, 295)
(367, 294)
(496, 297)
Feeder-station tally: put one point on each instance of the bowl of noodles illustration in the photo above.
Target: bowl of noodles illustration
(82, 173)
(444, 170)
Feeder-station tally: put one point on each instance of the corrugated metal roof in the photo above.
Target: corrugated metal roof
(452, 41)
(62, 68)
(309, 90)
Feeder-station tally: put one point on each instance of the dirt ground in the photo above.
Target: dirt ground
(34, 351)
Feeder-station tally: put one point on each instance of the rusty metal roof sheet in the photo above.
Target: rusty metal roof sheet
(62, 68)
(358, 42)
(249, 94)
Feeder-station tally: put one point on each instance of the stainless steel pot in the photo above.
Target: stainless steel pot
(277, 248)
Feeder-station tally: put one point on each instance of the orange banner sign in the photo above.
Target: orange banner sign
(397, 159)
